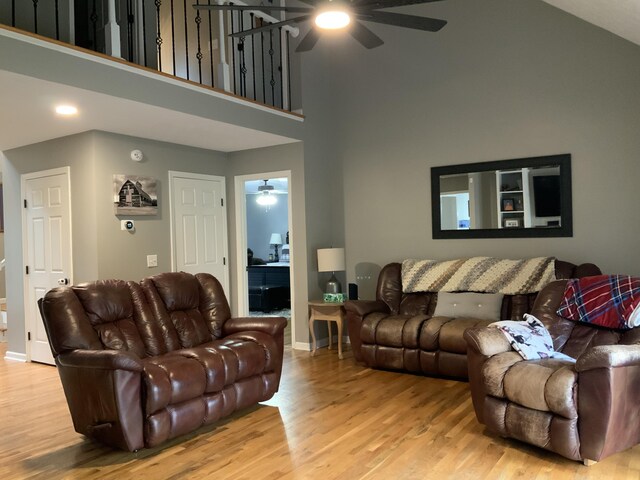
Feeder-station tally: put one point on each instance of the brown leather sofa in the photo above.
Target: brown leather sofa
(583, 411)
(142, 363)
(397, 331)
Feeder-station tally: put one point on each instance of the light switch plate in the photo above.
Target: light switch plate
(152, 261)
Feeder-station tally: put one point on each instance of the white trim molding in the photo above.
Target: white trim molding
(16, 357)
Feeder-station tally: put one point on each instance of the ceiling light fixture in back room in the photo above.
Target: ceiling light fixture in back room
(265, 196)
(337, 15)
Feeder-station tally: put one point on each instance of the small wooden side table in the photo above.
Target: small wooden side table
(331, 312)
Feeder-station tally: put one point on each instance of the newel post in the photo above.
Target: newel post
(112, 32)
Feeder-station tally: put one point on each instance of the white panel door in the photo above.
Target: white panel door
(199, 225)
(48, 249)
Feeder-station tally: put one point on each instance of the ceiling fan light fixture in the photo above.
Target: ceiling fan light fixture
(333, 19)
(266, 199)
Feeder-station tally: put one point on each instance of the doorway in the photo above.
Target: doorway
(265, 246)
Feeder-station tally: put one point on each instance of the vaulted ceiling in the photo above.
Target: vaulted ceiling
(621, 17)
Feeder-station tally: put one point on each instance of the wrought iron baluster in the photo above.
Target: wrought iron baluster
(35, 16)
(130, 20)
(94, 19)
(211, 47)
(272, 82)
(264, 80)
(186, 39)
(144, 34)
(173, 40)
(13, 13)
(288, 71)
(158, 4)
(233, 53)
(243, 66)
(199, 54)
(253, 57)
(57, 20)
(280, 68)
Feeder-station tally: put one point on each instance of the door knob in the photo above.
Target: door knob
(63, 281)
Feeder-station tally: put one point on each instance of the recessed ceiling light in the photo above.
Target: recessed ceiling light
(66, 110)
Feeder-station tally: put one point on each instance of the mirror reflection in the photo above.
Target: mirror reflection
(517, 198)
(527, 197)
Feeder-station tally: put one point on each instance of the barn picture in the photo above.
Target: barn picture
(135, 195)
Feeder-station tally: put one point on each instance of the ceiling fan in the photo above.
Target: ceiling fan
(267, 194)
(340, 14)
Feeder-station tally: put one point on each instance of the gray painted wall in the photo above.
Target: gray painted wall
(263, 221)
(3, 291)
(502, 80)
(100, 249)
(152, 235)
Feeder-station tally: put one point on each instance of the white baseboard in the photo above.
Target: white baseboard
(16, 357)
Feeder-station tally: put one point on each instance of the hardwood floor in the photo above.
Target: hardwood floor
(331, 419)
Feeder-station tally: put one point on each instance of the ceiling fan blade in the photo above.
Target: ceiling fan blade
(389, 3)
(366, 37)
(401, 20)
(264, 28)
(262, 8)
(309, 41)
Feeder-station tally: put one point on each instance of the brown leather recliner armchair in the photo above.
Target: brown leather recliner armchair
(583, 411)
(142, 363)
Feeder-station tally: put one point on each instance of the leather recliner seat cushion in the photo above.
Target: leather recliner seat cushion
(547, 385)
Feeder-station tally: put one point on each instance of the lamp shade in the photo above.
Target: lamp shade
(276, 239)
(331, 260)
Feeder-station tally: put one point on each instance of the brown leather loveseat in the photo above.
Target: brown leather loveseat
(583, 411)
(398, 331)
(142, 363)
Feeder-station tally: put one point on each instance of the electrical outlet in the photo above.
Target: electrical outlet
(152, 261)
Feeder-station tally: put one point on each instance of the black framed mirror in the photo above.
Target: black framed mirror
(519, 198)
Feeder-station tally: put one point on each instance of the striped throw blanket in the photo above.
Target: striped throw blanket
(478, 274)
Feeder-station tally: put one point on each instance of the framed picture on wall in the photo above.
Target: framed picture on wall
(135, 195)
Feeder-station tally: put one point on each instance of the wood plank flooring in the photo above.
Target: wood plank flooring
(331, 419)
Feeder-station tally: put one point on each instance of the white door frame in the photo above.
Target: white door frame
(242, 286)
(25, 244)
(225, 237)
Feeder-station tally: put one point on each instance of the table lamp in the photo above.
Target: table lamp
(276, 240)
(331, 260)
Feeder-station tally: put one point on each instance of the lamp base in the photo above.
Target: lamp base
(333, 285)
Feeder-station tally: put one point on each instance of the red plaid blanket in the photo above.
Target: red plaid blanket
(605, 300)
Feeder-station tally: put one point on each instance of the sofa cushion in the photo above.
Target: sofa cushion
(392, 330)
(483, 306)
(547, 385)
(171, 379)
(109, 307)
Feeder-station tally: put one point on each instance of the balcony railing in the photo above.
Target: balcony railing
(172, 37)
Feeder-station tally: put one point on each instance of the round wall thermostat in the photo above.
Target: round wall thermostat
(136, 155)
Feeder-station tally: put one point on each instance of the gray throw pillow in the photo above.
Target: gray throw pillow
(483, 306)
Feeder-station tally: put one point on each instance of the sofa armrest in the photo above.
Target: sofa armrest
(271, 325)
(487, 341)
(608, 386)
(356, 311)
(104, 393)
(609, 356)
(365, 307)
(100, 359)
